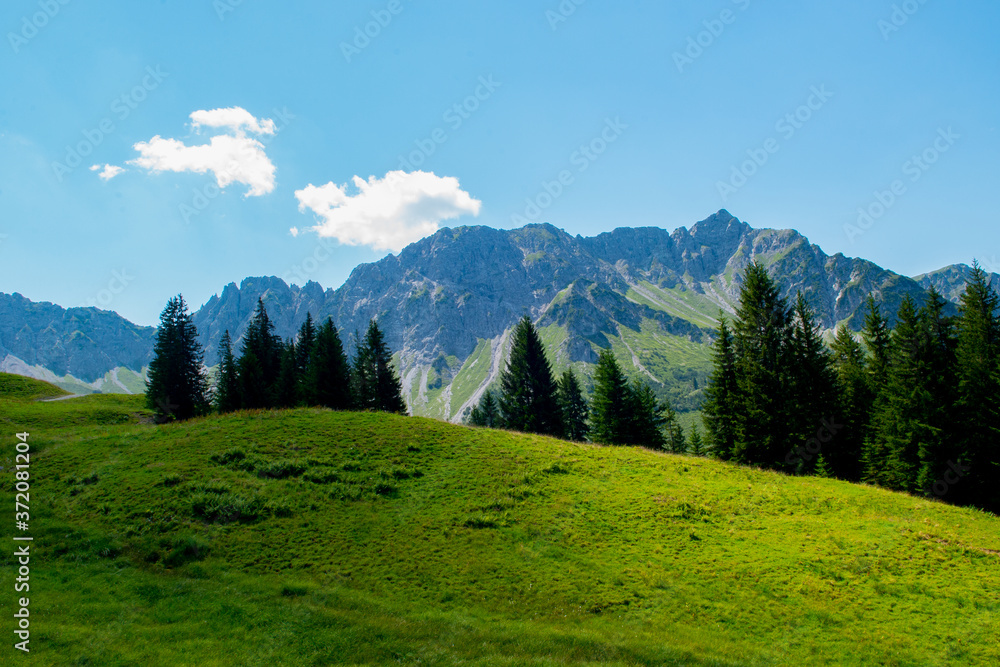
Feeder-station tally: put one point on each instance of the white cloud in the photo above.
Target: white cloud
(109, 171)
(235, 118)
(387, 213)
(232, 157)
(294, 231)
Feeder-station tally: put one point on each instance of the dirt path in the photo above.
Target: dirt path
(61, 398)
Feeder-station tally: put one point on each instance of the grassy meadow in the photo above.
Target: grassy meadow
(309, 537)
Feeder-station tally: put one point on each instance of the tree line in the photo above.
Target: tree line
(532, 400)
(913, 407)
(311, 369)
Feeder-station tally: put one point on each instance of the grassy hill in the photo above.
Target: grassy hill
(310, 537)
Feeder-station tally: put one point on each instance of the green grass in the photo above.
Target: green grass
(310, 537)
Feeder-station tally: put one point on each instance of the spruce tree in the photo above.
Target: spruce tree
(876, 335)
(648, 418)
(899, 425)
(854, 398)
(696, 446)
(977, 479)
(721, 408)
(379, 387)
(611, 403)
(938, 446)
(761, 343)
(673, 434)
(227, 388)
(487, 412)
(304, 343)
(572, 407)
(328, 373)
(287, 384)
(527, 389)
(177, 388)
(810, 385)
(260, 361)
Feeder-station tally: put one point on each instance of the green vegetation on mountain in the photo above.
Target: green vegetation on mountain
(312, 537)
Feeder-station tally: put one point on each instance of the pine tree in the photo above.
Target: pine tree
(978, 400)
(761, 342)
(287, 384)
(696, 446)
(811, 393)
(877, 336)
(572, 407)
(328, 373)
(177, 388)
(854, 398)
(938, 446)
(304, 343)
(227, 388)
(822, 469)
(648, 418)
(527, 389)
(487, 412)
(609, 408)
(893, 456)
(260, 362)
(673, 434)
(721, 408)
(379, 387)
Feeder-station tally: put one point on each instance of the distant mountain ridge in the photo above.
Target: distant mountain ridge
(447, 302)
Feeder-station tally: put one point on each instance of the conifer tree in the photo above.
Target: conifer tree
(177, 388)
(260, 361)
(486, 412)
(648, 418)
(854, 398)
(227, 388)
(673, 434)
(721, 408)
(527, 389)
(696, 445)
(761, 342)
(328, 373)
(572, 407)
(304, 343)
(287, 384)
(938, 446)
(978, 401)
(378, 386)
(893, 457)
(876, 335)
(810, 385)
(611, 403)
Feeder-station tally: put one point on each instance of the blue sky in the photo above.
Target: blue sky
(651, 113)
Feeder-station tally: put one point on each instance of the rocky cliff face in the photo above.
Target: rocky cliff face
(447, 302)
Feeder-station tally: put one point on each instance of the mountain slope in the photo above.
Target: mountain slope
(368, 538)
(83, 342)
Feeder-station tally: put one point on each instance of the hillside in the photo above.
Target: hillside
(312, 537)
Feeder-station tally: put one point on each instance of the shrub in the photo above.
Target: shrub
(185, 549)
(229, 456)
(281, 469)
(226, 507)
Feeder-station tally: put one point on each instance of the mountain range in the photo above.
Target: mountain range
(448, 302)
